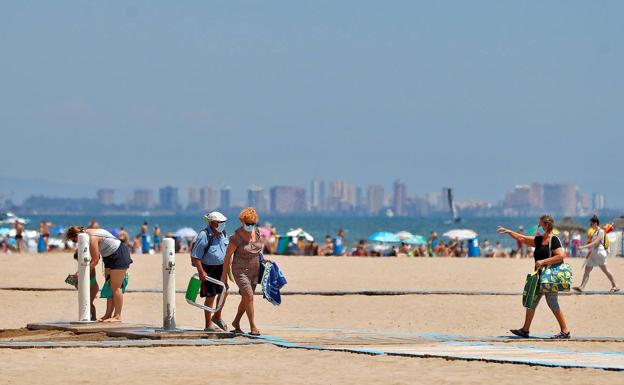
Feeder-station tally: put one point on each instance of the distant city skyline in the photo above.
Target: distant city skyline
(329, 197)
(478, 95)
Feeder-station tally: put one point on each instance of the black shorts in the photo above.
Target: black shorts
(209, 289)
(119, 260)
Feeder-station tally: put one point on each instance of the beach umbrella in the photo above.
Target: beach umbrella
(531, 230)
(298, 233)
(57, 230)
(384, 236)
(569, 224)
(403, 235)
(416, 240)
(186, 232)
(460, 234)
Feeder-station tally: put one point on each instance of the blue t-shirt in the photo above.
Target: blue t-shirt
(338, 247)
(215, 255)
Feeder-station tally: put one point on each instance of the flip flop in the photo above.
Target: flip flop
(614, 290)
(254, 333)
(238, 331)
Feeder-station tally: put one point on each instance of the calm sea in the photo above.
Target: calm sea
(356, 228)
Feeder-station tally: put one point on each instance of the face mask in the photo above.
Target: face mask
(221, 227)
(541, 230)
(248, 227)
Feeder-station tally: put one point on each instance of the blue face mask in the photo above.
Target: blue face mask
(541, 230)
(249, 227)
(221, 227)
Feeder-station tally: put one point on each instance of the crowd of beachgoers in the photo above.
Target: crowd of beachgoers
(50, 237)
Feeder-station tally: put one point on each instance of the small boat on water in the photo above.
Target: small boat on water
(9, 218)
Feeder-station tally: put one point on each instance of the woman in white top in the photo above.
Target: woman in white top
(597, 256)
(116, 258)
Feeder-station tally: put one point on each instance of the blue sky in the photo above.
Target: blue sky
(479, 95)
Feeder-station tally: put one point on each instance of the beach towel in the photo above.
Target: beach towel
(106, 291)
(272, 281)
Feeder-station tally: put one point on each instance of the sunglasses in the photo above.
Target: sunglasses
(249, 224)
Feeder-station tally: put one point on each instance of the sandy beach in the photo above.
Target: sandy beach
(318, 317)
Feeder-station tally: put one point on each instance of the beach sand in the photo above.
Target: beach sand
(464, 315)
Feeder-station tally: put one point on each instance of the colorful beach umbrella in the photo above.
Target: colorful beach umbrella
(416, 240)
(460, 234)
(403, 235)
(384, 237)
(298, 233)
(186, 232)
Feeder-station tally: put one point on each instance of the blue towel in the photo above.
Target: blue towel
(272, 281)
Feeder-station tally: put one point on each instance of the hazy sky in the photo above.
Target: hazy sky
(479, 95)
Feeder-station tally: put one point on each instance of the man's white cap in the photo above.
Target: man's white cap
(214, 216)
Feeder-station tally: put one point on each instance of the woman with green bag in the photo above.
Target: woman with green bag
(555, 275)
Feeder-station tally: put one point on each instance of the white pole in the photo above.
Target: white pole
(168, 254)
(84, 281)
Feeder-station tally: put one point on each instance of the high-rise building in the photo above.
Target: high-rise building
(317, 195)
(434, 201)
(360, 201)
(536, 197)
(375, 199)
(520, 199)
(226, 201)
(598, 202)
(193, 199)
(208, 198)
(256, 198)
(169, 198)
(341, 197)
(399, 196)
(106, 196)
(570, 192)
(288, 200)
(583, 203)
(560, 198)
(143, 199)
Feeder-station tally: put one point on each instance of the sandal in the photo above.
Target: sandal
(561, 336)
(614, 289)
(520, 333)
(220, 324)
(238, 331)
(254, 333)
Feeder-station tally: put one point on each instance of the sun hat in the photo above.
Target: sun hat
(214, 216)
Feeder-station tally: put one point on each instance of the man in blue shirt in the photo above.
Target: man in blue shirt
(208, 255)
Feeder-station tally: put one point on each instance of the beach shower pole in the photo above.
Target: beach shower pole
(169, 288)
(84, 280)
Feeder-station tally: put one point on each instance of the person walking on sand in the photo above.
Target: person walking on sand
(548, 251)
(597, 255)
(208, 255)
(243, 259)
(116, 258)
(19, 235)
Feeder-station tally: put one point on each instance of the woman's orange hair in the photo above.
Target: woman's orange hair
(248, 215)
